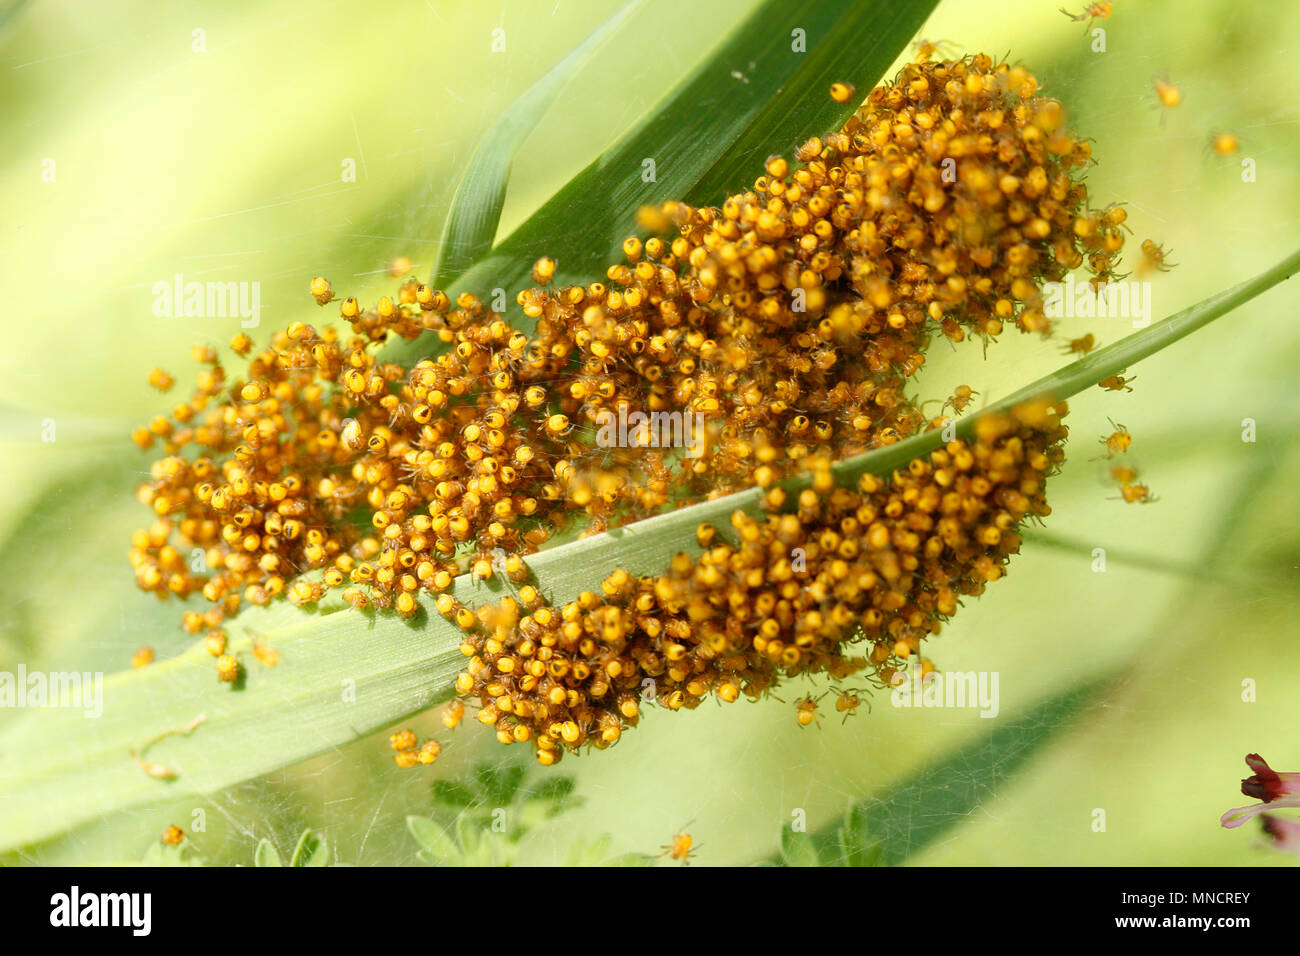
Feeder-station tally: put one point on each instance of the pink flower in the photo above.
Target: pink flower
(1284, 833)
(1276, 790)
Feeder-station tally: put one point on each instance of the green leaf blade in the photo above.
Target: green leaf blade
(855, 48)
(311, 850)
(797, 848)
(471, 224)
(266, 854)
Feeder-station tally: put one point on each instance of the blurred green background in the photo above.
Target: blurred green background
(1119, 690)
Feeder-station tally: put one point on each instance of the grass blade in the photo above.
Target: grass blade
(857, 49)
(266, 854)
(10, 11)
(919, 811)
(471, 224)
(340, 675)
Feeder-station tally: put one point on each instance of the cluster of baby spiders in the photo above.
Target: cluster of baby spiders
(829, 581)
(790, 318)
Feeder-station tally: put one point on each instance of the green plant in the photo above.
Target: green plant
(488, 821)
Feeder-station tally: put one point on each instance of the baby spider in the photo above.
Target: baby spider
(961, 397)
(267, 655)
(1081, 346)
(228, 668)
(1123, 474)
(1115, 215)
(928, 48)
(805, 710)
(1224, 143)
(681, 848)
(1095, 11)
(452, 714)
(1154, 258)
(1167, 92)
(1134, 493)
(842, 92)
(557, 425)
(1117, 442)
(849, 701)
(1118, 383)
